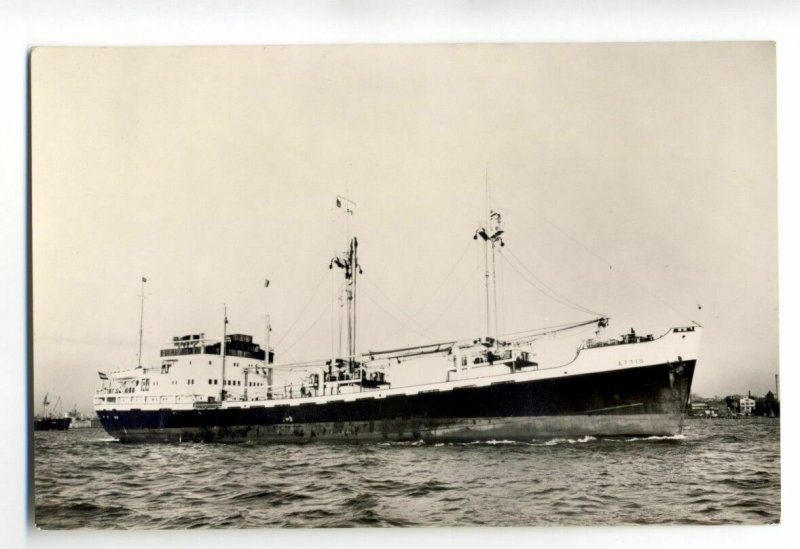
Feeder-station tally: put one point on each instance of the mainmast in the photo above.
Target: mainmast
(491, 233)
(348, 262)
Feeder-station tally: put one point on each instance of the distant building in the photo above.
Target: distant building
(703, 407)
(768, 406)
(698, 409)
(732, 403)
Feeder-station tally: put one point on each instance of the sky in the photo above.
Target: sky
(637, 180)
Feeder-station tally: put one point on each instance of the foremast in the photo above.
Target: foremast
(348, 262)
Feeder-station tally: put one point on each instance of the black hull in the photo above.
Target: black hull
(52, 424)
(635, 401)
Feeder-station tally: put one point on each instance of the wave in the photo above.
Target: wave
(555, 441)
(657, 438)
(274, 497)
(403, 443)
(426, 488)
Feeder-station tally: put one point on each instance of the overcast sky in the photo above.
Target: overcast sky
(638, 180)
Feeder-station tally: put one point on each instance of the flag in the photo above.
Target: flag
(144, 279)
(338, 202)
(266, 283)
(102, 375)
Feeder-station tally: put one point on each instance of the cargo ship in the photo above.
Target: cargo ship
(49, 420)
(492, 387)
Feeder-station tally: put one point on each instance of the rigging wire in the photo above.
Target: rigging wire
(445, 279)
(651, 294)
(555, 296)
(620, 271)
(603, 260)
(291, 356)
(393, 304)
(608, 286)
(429, 300)
(542, 287)
(300, 338)
(390, 315)
(457, 295)
(544, 330)
(287, 332)
(444, 309)
(551, 290)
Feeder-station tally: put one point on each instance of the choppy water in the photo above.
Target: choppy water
(717, 472)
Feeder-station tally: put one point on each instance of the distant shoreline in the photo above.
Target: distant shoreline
(751, 419)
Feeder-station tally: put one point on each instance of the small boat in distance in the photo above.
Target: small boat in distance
(49, 420)
(490, 387)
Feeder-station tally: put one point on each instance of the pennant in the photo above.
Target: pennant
(144, 279)
(102, 375)
(266, 283)
(338, 202)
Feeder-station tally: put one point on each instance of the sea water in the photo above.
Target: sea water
(717, 472)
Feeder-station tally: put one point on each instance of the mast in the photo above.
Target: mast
(486, 247)
(267, 338)
(494, 291)
(348, 262)
(268, 329)
(222, 390)
(491, 233)
(141, 323)
(486, 278)
(349, 292)
(356, 268)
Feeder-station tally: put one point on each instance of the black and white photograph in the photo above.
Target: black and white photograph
(405, 285)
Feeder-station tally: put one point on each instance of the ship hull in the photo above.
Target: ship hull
(640, 401)
(52, 424)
